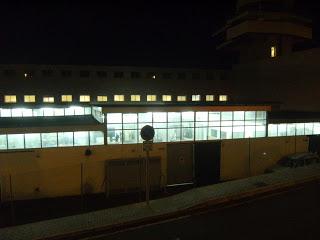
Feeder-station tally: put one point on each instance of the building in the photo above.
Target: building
(66, 130)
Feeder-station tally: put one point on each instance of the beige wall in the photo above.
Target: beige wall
(249, 157)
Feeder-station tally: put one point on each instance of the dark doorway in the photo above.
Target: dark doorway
(314, 144)
(207, 162)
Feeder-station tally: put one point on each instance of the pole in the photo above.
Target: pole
(11, 201)
(147, 179)
(81, 186)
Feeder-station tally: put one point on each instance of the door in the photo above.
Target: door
(207, 162)
(179, 163)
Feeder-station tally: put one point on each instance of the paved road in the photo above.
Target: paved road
(293, 215)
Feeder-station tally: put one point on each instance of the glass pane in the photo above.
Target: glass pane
(174, 117)
(141, 125)
(160, 117)
(226, 132)
(201, 133)
(160, 135)
(272, 130)
(250, 131)
(79, 111)
(238, 123)
(59, 111)
(316, 128)
(226, 123)
(213, 133)
(5, 112)
(308, 129)
(226, 116)
(300, 129)
(130, 126)
(48, 112)
(32, 140)
(114, 126)
(65, 139)
(174, 135)
(187, 124)
(15, 141)
(96, 138)
(27, 112)
(238, 132)
(201, 124)
(238, 116)
(81, 138)
(187, 134)
(260, 131)
(261, 115)
(87, 110)
(174, 125)
(291, 129)
(282, 130)
(130, 118)
(202, 116)
(3, 142)
(49, 140)
(214, 116)
(16, 112)
(187, 116)
(250, 115)
(130, 136)
(114, 136)
(145, 117)
(160, 125)
(69, 111)
(114, 118)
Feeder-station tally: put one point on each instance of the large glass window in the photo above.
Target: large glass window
(195, 98)
(3, 142)
(166, 98)
(151, 98)
(49, 140)
(29, 98)
(81, 138)
(15, 141)
(48, 99)
(65, 139)
(102, 98)
(84, 98)
(118, 98)
(96, 138)
(10, 98)
(66, 98)
(32, 140)
(135, 98)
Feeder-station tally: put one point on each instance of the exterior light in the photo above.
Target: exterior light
(154, 76)
(25, 75)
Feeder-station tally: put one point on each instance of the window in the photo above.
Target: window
(151, 98)
(195, 76)
(66, 98)
(118, 74)
(166, 98)
(9, 72)
(96, 138)
(135, 75)
(65, 139)
(29, 98)
(151, 75)
(48, 99)
(181, 98)
(273, 51)
(223, 98)
(47, 73)
(81, 138)
(84, 98)
(32, 140)
(195, 98)
(84, 73)
(102, 74)
(167, 75)
(102, 98)
(49, 140)
(182, 76)
(15, 141)
(66, 73)
(10, 98)
(118, 98)
(135, 98)
(209, 98)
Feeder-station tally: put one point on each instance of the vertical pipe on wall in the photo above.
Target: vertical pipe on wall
(81, 186)
(11, 201)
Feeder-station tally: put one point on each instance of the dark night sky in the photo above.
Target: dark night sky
(175, 34)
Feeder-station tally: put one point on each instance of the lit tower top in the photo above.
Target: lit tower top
(264, 28)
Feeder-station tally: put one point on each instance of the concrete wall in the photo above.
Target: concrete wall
(249, 157)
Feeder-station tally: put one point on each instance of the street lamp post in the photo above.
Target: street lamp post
(147, 134)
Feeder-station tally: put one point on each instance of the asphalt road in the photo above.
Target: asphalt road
(291, 215)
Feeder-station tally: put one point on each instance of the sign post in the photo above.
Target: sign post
(147, 134)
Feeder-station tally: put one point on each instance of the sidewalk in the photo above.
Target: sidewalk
(215, 194)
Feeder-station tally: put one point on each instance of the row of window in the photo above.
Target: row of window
(115, 74)
(48, 112)
(124, 128)
(116, 98)
(50, 140)
(293, 129)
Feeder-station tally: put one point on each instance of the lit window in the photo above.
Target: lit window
(151, 98)
(10, 98)
(209, 98)
(84, 98)
(166, 98)
(66, 98)
(273, 51)
(195, 98)
(181, 98)
(135, 98)
(102, 98)
(48, 99)
(223, 98)
(118, 98)
(29, 98)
